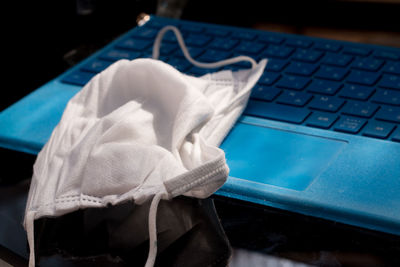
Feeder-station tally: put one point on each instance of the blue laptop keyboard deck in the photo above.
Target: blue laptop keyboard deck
(333, 85)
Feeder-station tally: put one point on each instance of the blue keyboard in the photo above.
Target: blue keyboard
(334, 85)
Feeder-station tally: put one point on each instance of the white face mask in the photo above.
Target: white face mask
(140, 130)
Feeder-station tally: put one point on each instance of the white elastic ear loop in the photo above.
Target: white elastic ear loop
(160, 35)
(29, 221)
(151, 258)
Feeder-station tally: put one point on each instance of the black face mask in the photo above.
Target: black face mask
(189, 234)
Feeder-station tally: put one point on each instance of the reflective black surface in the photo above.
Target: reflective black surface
(305, 239)
(257, 234)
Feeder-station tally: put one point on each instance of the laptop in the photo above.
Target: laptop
(320, 135)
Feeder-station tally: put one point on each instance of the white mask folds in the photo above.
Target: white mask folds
(140, 130)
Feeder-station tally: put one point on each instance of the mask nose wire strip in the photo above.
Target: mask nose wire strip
(151, 258)
(160, 35)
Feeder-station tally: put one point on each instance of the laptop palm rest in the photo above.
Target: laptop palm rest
(277, 157)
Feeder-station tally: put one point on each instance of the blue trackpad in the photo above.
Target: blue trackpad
(277, 157)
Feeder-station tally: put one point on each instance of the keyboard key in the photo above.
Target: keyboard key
(162, 58)
(396, 135)
(269, 78)
(321, 119)
(179, 63)
(134, 44)
(217, 32)
(244, 35)
(224, 44)
(293, 82)
(337, 60)
(169, 37)
(145, 32)
(327, 46)
(360, 109)
(192, 28)
(387, 55)
(212, 55)
(369, 64)
(266, 93)
(363, 77)
(197, 39)
(78, 78)
(300, 68)
(114, 55)
(389, 97)
(294, 98)
(301, 43)
(270, 39)
(349, 124)
(324, 87)
(391, 114)
(378, 129)
(358, 92)
(276, 64)
(194, 52)
(357, 51)
(96, 65)
(276, 111)
(390, 81)
(331, 73)
(167, 49)
(392, 67)
(310, 56)
(246, 47)
(146, 54)
(278, 51)
(326, 103)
